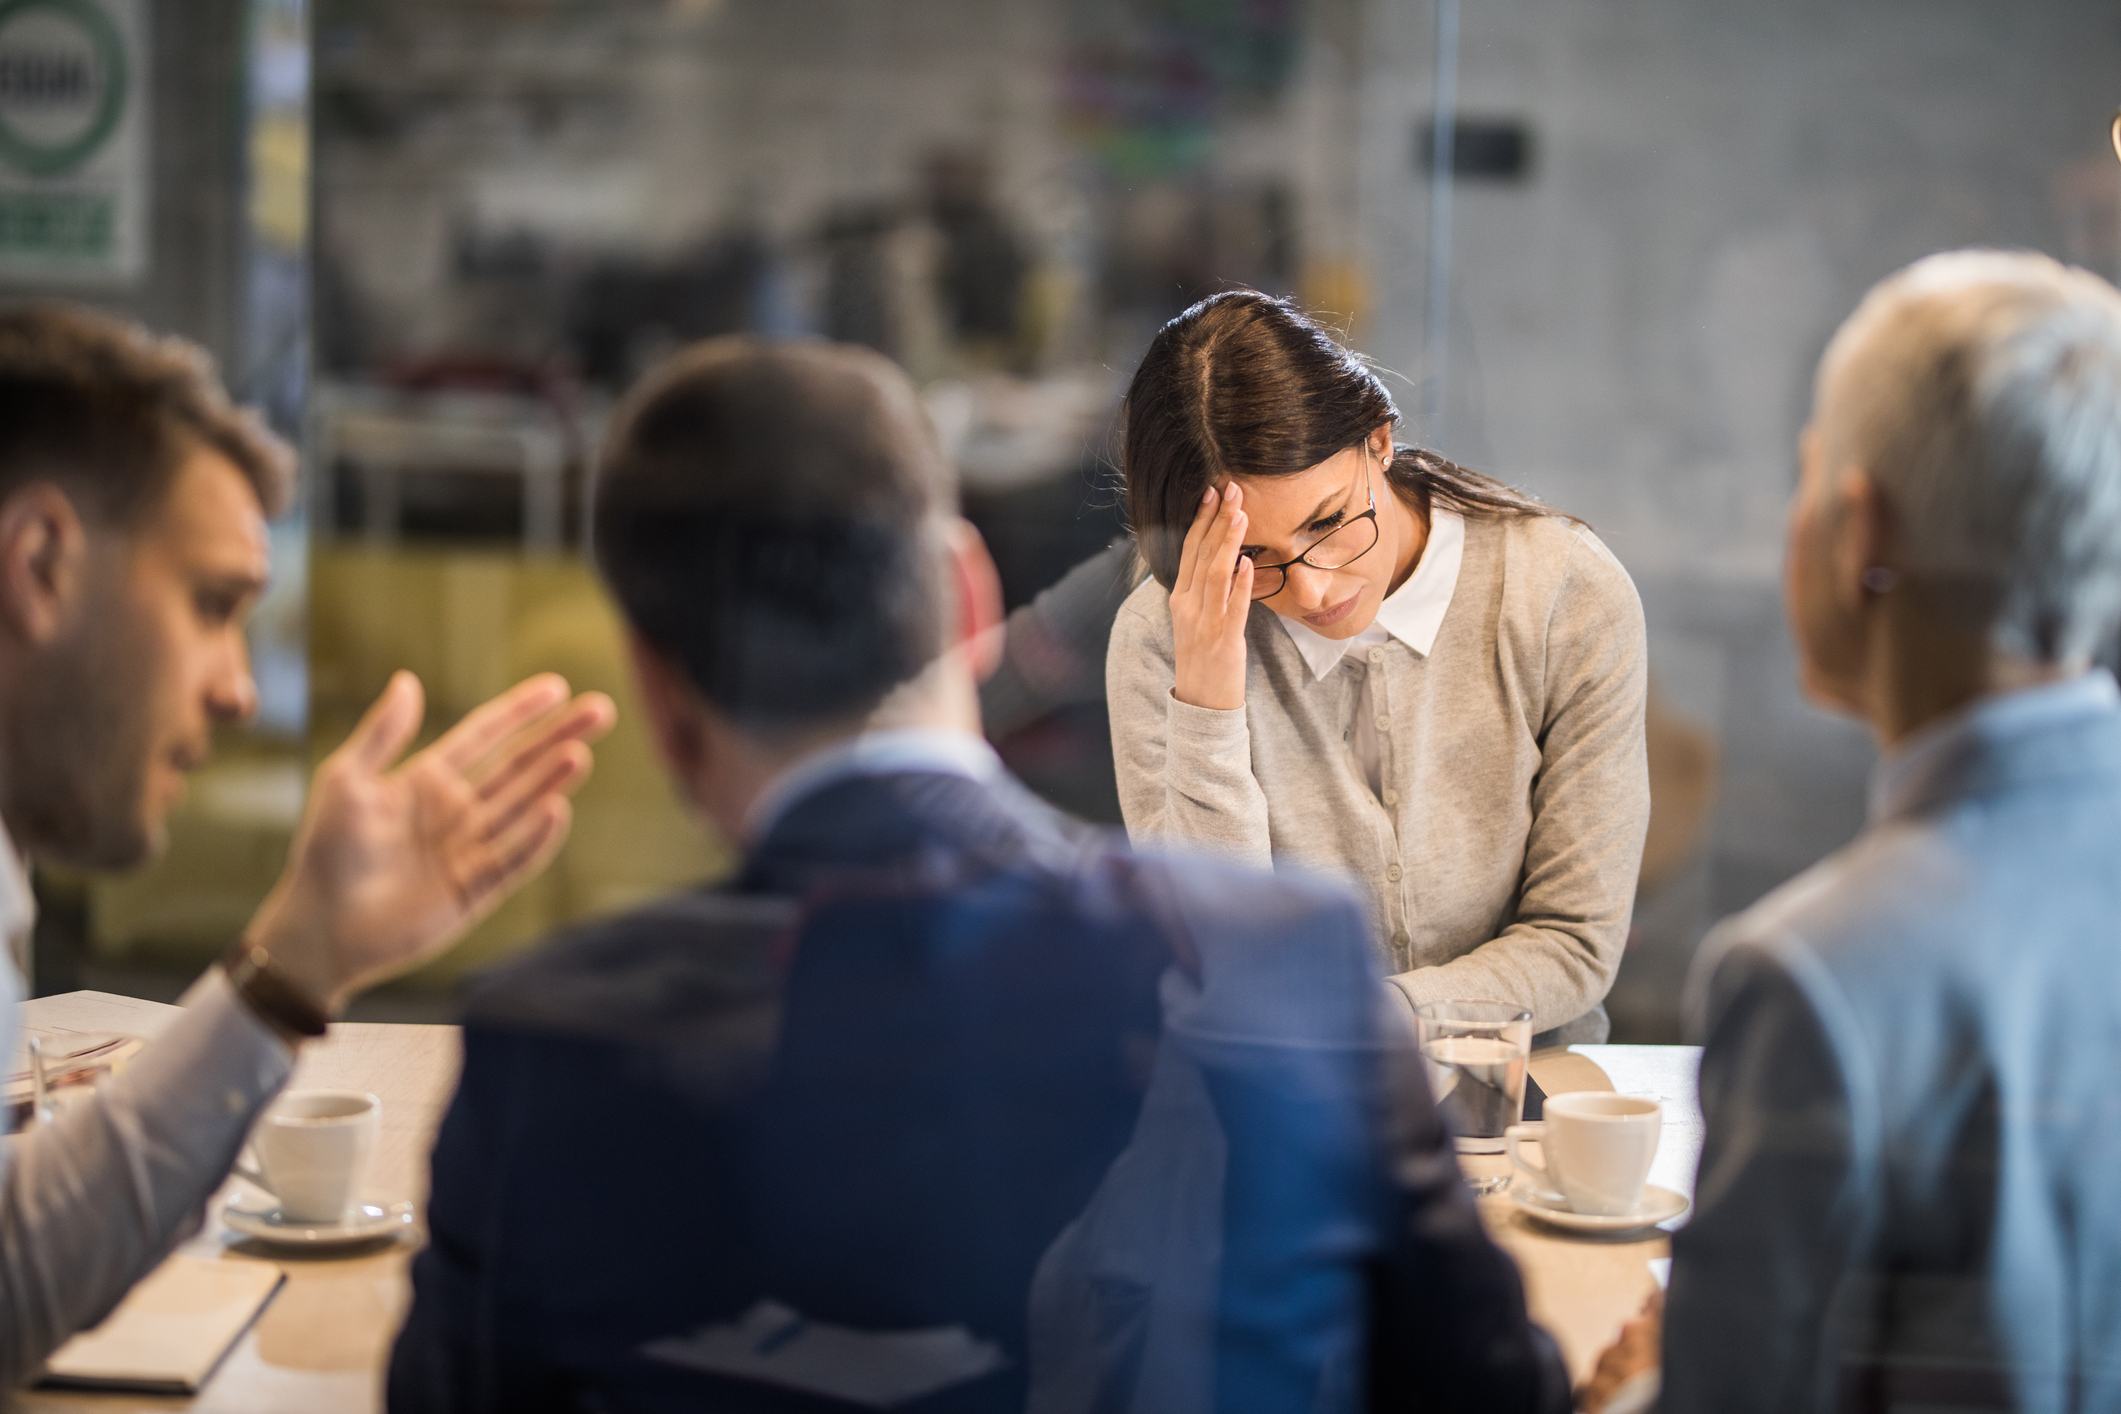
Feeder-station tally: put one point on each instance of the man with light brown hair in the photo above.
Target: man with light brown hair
(133, 504)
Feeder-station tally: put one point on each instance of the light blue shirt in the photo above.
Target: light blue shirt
(1901, 771)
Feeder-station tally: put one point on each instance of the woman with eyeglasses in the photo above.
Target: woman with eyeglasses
(1357, 657)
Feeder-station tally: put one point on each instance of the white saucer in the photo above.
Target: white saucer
(370, 1222)
(1659, 1205)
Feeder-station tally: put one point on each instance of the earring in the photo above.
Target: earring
(1880, 580)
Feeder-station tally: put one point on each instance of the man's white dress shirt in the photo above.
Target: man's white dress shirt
(93, 1201)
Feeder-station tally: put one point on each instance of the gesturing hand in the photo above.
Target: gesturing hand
(394, 862)
(1211, 603)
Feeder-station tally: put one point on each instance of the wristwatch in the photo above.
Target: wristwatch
(269, 993)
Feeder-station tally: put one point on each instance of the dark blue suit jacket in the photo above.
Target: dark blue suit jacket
(904, 1069)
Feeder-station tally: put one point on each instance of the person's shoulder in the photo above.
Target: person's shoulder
(1567, 557)
(1548, 549)
(1205, 895)
(1148, 601)
(1557, 582)
(1856, 935)
(1106, 874)
(1269, 958)
(1142, 632)
(673, 961)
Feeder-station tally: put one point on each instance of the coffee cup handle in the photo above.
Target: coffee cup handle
(1532, 1131)
(249, 1174)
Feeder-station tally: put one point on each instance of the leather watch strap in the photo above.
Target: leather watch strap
(268, 992)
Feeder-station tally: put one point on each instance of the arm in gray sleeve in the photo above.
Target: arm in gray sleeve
(1785, 1204)
(1185, 772)
(1053, 648)
(1590, 811)
(91, 1203)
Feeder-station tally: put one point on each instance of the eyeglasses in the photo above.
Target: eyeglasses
(1338, 548)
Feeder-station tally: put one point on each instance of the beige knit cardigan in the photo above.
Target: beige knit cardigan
(1500, 858)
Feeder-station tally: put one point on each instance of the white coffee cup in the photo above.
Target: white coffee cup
(313, 1148)
(1597, 1146)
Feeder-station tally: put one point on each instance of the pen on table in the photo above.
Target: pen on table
(782, 1334)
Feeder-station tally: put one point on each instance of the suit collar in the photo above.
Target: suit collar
(887, 823)
(877, 753)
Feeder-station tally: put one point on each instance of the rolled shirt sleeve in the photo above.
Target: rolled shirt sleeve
(91, 1202)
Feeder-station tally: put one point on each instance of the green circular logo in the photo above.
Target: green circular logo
(62, 83)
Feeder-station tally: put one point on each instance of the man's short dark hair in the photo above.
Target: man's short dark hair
(767, 516)
(109, 411)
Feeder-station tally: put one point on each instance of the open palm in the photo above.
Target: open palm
(393, 863)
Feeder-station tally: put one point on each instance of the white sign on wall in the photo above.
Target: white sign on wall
(73, 141)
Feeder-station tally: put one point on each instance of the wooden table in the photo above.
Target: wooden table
(1584, 1288)
(320, 1346)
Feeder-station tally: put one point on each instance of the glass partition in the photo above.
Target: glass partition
(1595, 250)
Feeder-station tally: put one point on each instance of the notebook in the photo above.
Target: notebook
(167, 1336)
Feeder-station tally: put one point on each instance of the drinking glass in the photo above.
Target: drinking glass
(1475, 1053)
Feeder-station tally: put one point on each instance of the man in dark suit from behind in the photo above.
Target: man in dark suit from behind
(889, 1118)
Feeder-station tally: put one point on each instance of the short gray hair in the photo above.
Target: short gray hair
(1981, 391)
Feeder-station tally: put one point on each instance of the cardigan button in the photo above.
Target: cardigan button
(1393, 872)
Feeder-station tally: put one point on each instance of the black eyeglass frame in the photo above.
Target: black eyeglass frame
(1376, 533)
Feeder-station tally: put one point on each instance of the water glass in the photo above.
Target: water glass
(1476, 1053)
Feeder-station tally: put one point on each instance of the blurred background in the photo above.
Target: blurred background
(1596, 247)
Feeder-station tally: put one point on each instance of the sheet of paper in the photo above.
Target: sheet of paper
(771, 1344)
(70, 1057)
(172, 1330)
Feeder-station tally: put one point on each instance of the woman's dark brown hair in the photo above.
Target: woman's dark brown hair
(1244, 384)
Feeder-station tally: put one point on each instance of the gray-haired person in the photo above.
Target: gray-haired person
(1910, 1195)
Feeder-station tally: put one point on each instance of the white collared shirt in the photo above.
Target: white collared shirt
(18, 904)
(871, 754)
(1410, 616)
(90, 1202)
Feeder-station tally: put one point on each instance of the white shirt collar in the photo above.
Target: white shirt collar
(878, 753)
(18, 902)
(1412, 613)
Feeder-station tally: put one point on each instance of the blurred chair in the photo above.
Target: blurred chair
(385, 437)
(470, 622)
